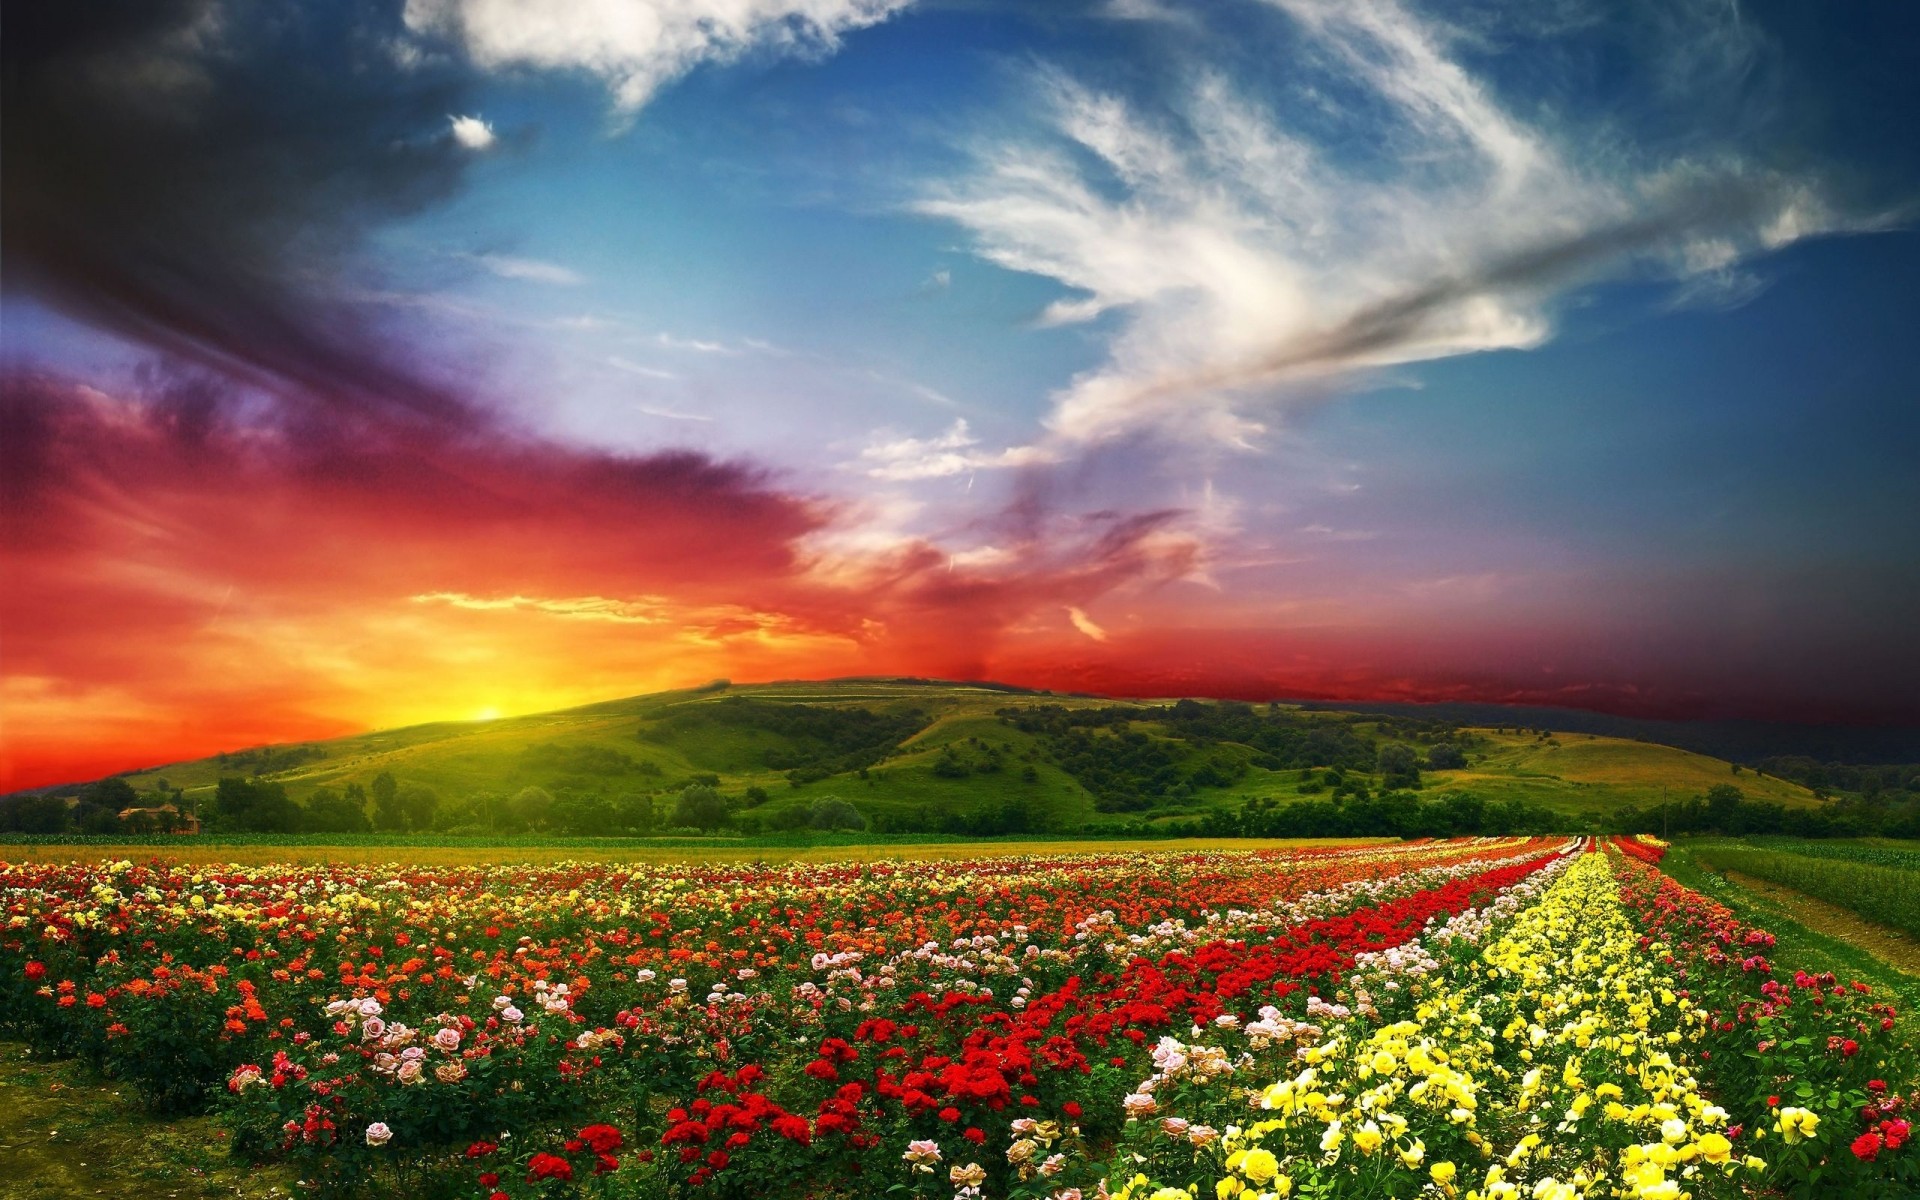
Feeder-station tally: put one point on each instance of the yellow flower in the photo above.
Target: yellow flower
(1797, 1124)
(1714, 1148)
(1259, 1165)
(1442, 1172)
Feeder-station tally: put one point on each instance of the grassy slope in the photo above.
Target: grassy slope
(1575, 772)
(1588, 773)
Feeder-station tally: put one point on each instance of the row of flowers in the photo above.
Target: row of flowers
(1823, 1064)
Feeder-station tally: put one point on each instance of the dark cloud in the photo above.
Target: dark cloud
(196, 177)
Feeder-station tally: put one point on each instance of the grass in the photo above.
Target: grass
(1885, 852)
(63, 1134)
(1886, 895)
(1578, 773)
(1802, 943)
(457, 852)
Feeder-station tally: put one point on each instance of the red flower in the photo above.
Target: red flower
(974, 1134)
(601, 1139)
(548, 1166)
(1866, 1147)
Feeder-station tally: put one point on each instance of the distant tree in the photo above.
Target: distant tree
(584, 813)
(418, 803)
(633, 811)
(96, 819)
(1445, 756)
(831, 812)
(34, 813)
(529, 809)
(252, 806)
(700, 806)
(794, 816)
(332, 811)
(114, 794)
(387, 812)
(1397, 766)
(1723, 807)
(754, 797)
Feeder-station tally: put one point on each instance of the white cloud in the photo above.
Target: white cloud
(1244, 256)
(531, 270)
(1085, 624)
(472, 132)
(950, 453)
(637, 46)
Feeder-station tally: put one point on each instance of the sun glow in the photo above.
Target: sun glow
(488, 713)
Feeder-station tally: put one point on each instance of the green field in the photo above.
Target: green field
(1886, 895)
(958, 757)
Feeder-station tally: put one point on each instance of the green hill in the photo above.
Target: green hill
(921, 755)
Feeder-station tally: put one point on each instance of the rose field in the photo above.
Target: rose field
(1544, 1018)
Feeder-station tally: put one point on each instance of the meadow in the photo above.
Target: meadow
(1545, 1017)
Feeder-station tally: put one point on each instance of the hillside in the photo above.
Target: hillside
(967, 758)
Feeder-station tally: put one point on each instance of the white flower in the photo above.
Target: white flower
(510, 1013)
(378, 1134)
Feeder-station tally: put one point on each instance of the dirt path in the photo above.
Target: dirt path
(1888, 945)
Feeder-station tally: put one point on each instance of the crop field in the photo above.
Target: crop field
(1880, 884)
(1543, 1017)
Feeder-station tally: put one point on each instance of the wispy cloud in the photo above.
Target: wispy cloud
(650, 610)
(532, 270)
(1244, 254)
(634, 368)
(949, 453)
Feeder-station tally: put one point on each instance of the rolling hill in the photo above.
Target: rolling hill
(917, 754)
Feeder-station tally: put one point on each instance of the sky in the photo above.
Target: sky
(380, 361)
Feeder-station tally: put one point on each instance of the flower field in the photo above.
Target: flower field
(1542, 1018)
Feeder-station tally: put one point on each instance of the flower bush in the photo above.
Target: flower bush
(1467, 1018)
